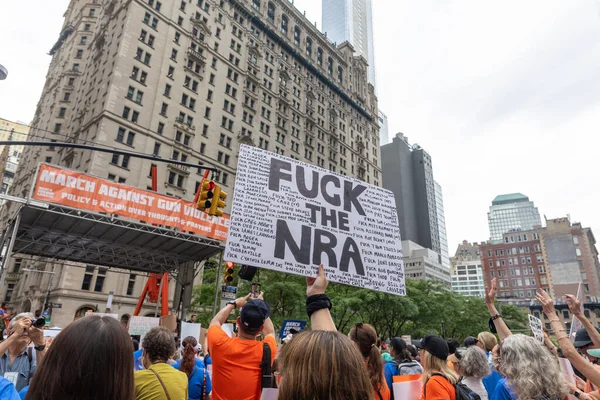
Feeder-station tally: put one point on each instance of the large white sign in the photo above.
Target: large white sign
(291, 216)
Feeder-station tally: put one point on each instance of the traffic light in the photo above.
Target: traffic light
(206, 195)
(217, 202)
(228, 278)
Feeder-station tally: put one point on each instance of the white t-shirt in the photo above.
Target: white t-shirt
(476, 385)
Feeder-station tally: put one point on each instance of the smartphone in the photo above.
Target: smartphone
(255, 290)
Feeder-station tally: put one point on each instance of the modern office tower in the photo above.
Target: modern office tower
(510, 213)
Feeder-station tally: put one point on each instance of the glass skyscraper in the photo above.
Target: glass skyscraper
(352, 21)
(511, 213)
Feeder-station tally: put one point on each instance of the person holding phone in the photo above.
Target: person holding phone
(18, 361)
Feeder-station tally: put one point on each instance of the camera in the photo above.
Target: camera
(38, 323)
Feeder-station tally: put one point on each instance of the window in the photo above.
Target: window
(67, 96)
(79, 54)
(329, 66)
(120, 135)
(171, 72)
(57, 128)
(174, 55)
(309, 47)
(126, 111)
(87, 278)
(83, 40)
(100, 280)
(87, 27)
(320, 56)
(92, 12)
(134, 116)
(297, 36)
(130, 137)
(62, 112)
(284, 24)
(156, 149)
(130, 284)
(163, 109)
(578, 252)
(575, 240)
(256, 4)
(160, 129)
(271, 12)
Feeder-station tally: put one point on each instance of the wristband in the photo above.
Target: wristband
(495, 317)
(317, 302)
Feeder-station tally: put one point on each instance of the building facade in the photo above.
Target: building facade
(191, 81)
(352, 21)
(467, 271)
(408, 173)
(423, 263)
(558, 258)
(384, 133)
(10, 156)
(511, 213)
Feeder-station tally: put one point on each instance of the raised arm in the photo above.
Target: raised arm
(320, 319)
(222, 315)
(575, 308)
(501, 327)
(568, 350)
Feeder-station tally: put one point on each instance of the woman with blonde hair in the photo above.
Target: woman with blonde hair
(438, 378)
(365, 337)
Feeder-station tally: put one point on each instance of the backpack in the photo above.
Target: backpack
(408, 368)
(463, 392)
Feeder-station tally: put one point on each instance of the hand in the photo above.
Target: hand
(21, 326)
(36, 335)
(317, 285)
(580, 383)
(240, 302)
(546, 302)
(490, 292)
(574, 304)
(261, 296)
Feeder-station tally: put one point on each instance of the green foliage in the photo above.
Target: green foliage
(428, 307)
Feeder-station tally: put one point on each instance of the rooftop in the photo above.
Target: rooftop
(509, 198)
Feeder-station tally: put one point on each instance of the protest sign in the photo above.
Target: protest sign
(407, 387)
(575, 322)
(115, 316)
(406, 338)
(291, 216)
(269, 394)
(298, 325)
(75, 189)
(189, 329)
(228, 328)
(141, 325)
(536, 328)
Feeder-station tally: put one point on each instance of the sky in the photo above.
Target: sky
(505, 96)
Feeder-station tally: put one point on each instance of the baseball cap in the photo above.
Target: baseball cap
(470, 341)
(435, 345)
(582, 338)
(594, 352)
(254, 313)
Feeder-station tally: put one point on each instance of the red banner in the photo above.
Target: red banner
(78, 190)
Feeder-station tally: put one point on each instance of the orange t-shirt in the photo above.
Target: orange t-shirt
(384, 391)
(236, 365)
(439, 388)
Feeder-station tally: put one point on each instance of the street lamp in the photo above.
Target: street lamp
(46, 304)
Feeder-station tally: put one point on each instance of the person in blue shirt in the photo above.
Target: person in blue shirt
(7, 390)
(199, 384)
(401, 364)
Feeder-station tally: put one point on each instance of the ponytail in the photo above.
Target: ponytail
(188, 358)
(365, 337)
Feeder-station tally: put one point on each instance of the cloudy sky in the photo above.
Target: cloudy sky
(505, 96)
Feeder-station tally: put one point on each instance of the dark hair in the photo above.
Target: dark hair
(65, 373)
(193, 315)
(412, 350)
(159, 344)
(3, 305)
(188, 359)
(452, 345)
(366, 337)
(400, 348)
(136, 344)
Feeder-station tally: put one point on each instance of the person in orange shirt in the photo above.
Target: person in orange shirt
(438, 378)
(237, 361)
(365, 337)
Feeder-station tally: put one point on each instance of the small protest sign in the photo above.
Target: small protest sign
(115, 316)
(189, 329)
(536, 328)
(141, 325)
(297, 325)
(291, 216)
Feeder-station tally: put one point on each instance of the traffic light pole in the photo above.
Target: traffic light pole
(217, 280)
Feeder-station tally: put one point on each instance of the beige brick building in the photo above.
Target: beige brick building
(190, 80)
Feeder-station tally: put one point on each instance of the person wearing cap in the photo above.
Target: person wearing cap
(438, 379)
(236, 372)
(470, 341)
(401, 364)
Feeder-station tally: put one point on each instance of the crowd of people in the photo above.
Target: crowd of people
(92, 359)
